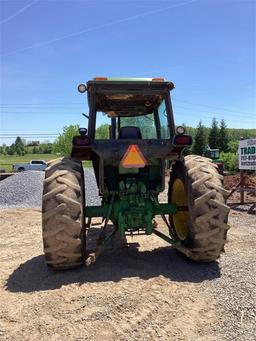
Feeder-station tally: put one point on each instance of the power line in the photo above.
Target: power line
(40, 104)
(64, 105)
(234, 112)
(212, 114)
(38, 113)
(29, 137)
(176, 107)
(26, 130)
(247, 120)
(29, 106)
(58, 103)
(124, 1)
(49, 134)
(213, 107)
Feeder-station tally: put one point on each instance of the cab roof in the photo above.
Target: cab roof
(128, 96)
(131, 80)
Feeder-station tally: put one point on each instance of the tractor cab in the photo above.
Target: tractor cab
(133, 108)
(129, 117)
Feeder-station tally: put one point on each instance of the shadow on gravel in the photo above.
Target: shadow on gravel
(113, 265)
(244, 209)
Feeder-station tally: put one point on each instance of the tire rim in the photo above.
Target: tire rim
(181, 218)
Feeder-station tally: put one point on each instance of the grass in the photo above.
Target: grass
(6, 161)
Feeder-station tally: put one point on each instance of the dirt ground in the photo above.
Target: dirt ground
(231, 181)
(146, 291)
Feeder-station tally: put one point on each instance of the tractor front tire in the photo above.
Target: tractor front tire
(202, 230)
(63, 205)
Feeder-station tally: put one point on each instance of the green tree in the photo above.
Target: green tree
(11, 150)
(19, 146)
(18, 151)
(46, 148)
(3, 149)
(102, 132)
(63, 143)
(230, 161)
(223, 137)
(200, 140)
(35, 150)
(19, 143)
(213, 138)
(233, 146)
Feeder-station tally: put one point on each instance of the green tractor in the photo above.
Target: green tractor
(214, 155)
(129, 167)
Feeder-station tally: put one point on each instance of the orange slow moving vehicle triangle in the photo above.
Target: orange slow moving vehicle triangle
(133, 158)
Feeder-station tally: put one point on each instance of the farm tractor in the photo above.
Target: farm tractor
(129, 167)
(214, 155)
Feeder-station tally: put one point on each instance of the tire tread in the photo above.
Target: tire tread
(62, 217)
(207, 205)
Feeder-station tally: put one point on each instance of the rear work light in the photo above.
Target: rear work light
(180, 130)
(82, 88)
(158, 79)
(185, 140)
(101, 78)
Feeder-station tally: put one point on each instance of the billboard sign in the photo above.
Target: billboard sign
(247, 154)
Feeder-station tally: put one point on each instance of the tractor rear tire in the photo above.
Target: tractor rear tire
(202, 230)
(63, 206)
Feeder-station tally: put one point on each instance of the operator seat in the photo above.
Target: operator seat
(129, 132)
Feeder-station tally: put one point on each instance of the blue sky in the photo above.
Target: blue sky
(206, 47)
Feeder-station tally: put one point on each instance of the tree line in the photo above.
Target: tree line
(218, 136)
(20, 147)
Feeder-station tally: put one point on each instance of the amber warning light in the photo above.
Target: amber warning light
(133, 158)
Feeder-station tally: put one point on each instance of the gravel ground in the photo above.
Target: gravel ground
(144, 292)
(25, 190)
(235, 289)
(22, 189)
(91, 190)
